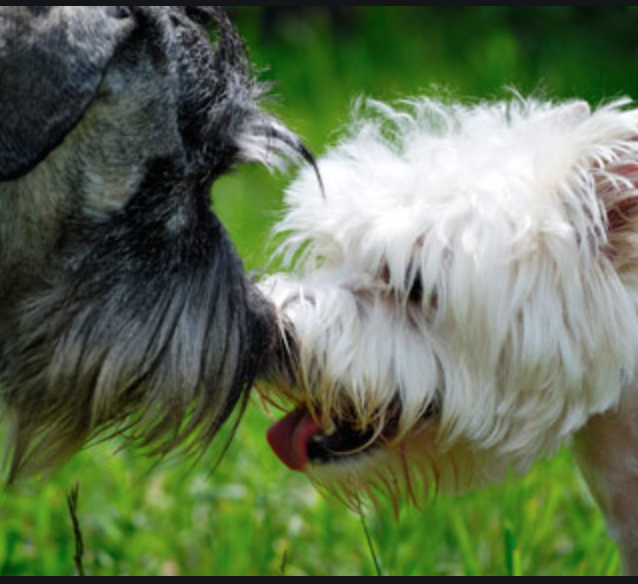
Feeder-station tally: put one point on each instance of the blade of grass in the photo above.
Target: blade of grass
(284, 565)
(512, 554)
(73, 499)
(465, 543)
(373, 553)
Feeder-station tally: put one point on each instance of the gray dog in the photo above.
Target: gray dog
(123, 306)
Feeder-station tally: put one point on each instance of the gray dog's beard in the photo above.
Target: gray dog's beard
(156, 334)
(123, 306)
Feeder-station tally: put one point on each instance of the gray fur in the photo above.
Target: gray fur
(123, 307)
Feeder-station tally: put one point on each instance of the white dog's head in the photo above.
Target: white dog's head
(465, 292)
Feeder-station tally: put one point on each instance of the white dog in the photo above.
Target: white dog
(465, 302)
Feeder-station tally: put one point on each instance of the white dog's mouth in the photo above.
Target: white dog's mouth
(301, 442)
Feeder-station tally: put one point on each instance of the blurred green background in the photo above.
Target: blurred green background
(252, 517)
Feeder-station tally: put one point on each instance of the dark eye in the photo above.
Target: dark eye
(205, 16)
(416, 296)
(416, 291)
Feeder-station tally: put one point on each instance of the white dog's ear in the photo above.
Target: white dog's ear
(622, 217)
(52, 63)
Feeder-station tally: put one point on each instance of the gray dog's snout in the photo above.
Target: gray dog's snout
(135, 316)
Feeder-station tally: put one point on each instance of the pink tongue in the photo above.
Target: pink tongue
(289, 439)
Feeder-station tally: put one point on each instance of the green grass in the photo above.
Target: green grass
(252, 517)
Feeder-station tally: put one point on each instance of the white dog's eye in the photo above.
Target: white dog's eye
(417, 296)
(416, 291)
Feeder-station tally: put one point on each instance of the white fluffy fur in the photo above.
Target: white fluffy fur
(529, 326)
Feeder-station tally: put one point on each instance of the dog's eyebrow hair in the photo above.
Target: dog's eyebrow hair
(310, 159)
(300, 148)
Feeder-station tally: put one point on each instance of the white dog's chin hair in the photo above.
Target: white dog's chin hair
(477, 265)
